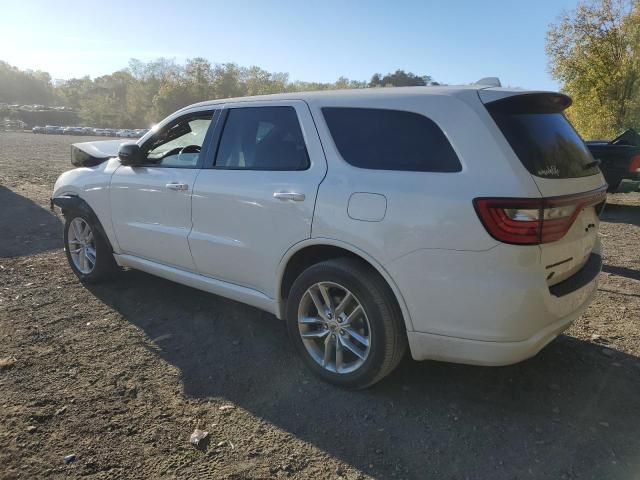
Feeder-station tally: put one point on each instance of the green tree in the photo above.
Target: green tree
(72, 91)
(399, 78)
(105, 104)
(594, 52)
(145, 93)
(24, 87)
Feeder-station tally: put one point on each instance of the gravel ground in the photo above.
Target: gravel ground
(120, 375)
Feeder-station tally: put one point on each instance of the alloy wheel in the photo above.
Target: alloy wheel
(81, 245)
(334, 327)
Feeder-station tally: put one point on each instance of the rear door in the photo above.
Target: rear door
(562, 167)
(255, 197)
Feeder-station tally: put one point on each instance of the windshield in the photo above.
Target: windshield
(544, 141)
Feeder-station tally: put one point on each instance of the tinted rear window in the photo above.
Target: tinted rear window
(390, 140)
(544, 141)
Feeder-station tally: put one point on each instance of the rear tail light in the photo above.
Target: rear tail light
(532, 221)
(634, 166)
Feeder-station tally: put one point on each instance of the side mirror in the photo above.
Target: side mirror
(131, 154)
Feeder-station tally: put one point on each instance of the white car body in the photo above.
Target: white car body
(465, 296)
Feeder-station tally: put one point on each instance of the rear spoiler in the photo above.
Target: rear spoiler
(516, 101)
(90, 154)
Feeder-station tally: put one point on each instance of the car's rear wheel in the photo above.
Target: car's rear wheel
(345, 323)
(88, 253)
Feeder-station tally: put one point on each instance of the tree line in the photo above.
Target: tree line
(145, 92)
(594, 51)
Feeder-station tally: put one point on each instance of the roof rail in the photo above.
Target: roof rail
(489, 82)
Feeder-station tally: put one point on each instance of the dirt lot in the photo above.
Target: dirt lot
(121, 374)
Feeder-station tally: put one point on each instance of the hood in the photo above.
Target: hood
(90, 154)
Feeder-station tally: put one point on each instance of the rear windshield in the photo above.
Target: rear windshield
(544, 141)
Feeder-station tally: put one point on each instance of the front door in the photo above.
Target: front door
(256, 198)
(151, 203)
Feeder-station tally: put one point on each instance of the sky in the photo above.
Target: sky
(455, 41)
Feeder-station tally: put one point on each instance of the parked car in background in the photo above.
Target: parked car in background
(126, 133)
(103, 132)
(54, 129)
(458, 222)
(73, 131)
(619, 158)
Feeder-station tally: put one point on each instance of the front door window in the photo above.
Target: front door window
(179, 145)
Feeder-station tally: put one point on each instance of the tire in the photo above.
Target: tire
(381, 324)
(104, 265)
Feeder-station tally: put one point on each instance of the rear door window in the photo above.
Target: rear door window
(390, 140)
(542, 137)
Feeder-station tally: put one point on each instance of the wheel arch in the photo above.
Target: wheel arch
(315, 250)
(72, 202)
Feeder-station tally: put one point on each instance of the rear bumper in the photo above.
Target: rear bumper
(488, 308)
(586, 275)
(425, 346)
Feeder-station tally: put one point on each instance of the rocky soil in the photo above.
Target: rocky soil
(110, 381)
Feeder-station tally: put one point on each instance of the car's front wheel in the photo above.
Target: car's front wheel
(345, 323)
(88, 253)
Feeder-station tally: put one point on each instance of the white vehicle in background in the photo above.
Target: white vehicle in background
(128, 133)
(124, 133)
(458, 222)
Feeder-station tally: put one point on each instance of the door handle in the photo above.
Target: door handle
(177, 186)
(296, 197)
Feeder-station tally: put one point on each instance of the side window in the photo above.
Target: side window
(180, 144)
(390, 140)
(262, 138)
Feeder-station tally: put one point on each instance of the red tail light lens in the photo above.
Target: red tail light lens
(531, 221)
(634, 166)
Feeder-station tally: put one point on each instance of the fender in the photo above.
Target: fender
(280, 306)
(70, 204)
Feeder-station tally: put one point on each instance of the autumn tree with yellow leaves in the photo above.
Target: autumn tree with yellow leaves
(594, 51)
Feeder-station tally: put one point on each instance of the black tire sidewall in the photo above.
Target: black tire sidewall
(349, 279)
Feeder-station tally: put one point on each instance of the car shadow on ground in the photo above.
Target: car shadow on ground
(573, 410)
(26, 227)
(619, 213)
(622, 271)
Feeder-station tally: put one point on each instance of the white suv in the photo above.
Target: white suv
(460, 222)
